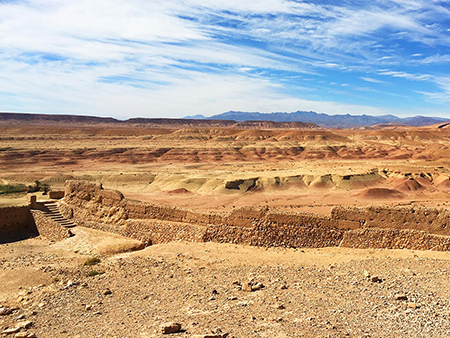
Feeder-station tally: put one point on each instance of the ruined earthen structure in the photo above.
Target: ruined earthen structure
(371, 227)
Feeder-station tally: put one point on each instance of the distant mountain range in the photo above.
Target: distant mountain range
(51, 119)
(233, 119)
(325, 120)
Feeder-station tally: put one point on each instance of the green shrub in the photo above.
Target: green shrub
(95, 273)
(38, 186)
(92, 261)
(12, 189)
(45, 188)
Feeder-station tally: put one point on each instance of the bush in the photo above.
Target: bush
(94, 273)
(12, 189)
(38, 186)
(92, 261)
(45, 188)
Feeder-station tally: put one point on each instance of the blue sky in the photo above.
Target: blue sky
(174, 58)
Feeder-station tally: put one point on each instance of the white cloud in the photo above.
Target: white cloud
(369, 79)
(436, 59)
(405, 75)
(385, 58)
(168, 57)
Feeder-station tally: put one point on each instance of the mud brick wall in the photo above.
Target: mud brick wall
(395, 239)
(279, 217)
(14, 218)
(48, 228)
(151, 231)
(370, 227)
(16, 223)
(90, 201)
(434, 221)
(268, 235)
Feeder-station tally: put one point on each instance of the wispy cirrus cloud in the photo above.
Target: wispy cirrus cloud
(179, 57)
(369, 79)
(437, 59)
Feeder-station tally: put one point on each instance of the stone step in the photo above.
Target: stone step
(66, 222)
(54, 214)
(69, 226)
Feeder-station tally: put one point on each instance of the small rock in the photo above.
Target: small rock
(257, 286)
(211, 335)
(107, 292)
(278, 319)
(4, 311)
(247, 287)
(217, 333)
(97, 313)
(366, 274)
(25, 324)
(374, 279)
(215, 292)
(21, 335)
(283, 287)
(401, 297)
(11, 330)
(70, 283)
(170, 328)
(279, 306)
(413, 305)
(22, 316)
(31, 335)
(88, 307)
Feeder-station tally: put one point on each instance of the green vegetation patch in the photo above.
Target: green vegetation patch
(12, 189)
(92, 261)
(94, 273)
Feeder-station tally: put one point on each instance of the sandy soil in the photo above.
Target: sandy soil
(307, 293)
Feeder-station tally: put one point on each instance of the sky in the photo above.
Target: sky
(173, 58)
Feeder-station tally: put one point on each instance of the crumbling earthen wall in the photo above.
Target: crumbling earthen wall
(288, 218)
(268, 235)
(48, 228)
(395, 239)
(431, 220)
(16, 223)
(90, 201)
(151, 231)
(371, 227)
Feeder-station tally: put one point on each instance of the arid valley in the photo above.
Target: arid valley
(229, 229)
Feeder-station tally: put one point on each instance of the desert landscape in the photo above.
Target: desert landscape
(229, 229)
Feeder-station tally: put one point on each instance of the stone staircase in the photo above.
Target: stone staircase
(52, 211)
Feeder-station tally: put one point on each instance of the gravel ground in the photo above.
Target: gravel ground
(333, 292)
